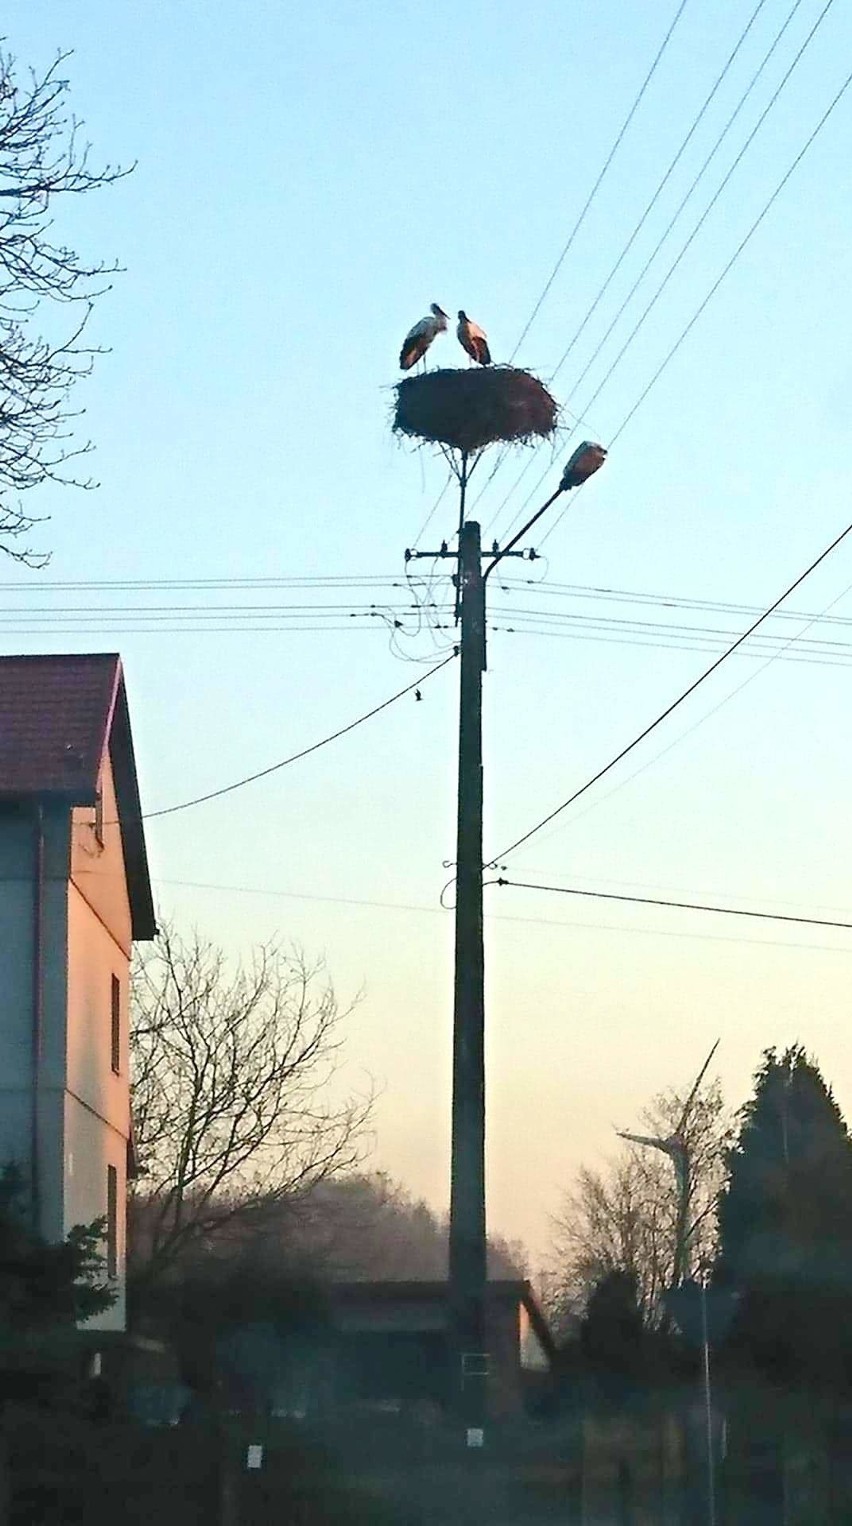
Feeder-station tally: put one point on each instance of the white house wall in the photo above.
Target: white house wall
(97, 1107)
(97, 868)
(94, 958)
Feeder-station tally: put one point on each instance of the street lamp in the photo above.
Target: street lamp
(587, 459)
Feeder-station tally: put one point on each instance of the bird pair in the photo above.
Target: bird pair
(471, 338)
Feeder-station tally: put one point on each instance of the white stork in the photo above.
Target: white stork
(418, 339)
(474, 340)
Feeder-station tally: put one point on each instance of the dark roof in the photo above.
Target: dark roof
(512, 1289)
(355, 1298)
(58, 716)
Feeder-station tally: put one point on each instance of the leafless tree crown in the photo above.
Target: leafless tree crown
(625, 1216)
(42, 158)
(235, 1102)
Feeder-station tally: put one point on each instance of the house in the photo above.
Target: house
(391, 1344)
(74, 895)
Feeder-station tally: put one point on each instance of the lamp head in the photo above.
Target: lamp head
(587, 459)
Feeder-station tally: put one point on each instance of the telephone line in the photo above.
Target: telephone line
(664, 714)
(659, 245)
(646, 900)
(718, 282)
(702, 219)
(597, 185)
(263, 773)
(735, 257)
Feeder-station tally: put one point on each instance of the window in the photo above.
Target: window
(115, 1024)
(98, 823)
(112, 1222)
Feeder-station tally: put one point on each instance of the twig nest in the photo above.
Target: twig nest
(474, 407)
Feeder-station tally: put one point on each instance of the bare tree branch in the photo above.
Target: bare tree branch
(625, 1216)
(235, 1096)
(42, 159)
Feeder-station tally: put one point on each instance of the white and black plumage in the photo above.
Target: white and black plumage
(418, 339)
(474, 340)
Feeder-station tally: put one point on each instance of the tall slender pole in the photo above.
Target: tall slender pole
(467, 1184)
(708, 1409)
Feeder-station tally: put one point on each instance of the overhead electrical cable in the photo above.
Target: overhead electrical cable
(686, 331)
(597, 593)
(637, 229)
(346, 579)
(696, 181)
(669, 710)
(263, 773)
(646, 900)
(599, 800)
(600, 179)
(504, 451)
(655, 932)
(670, 226)
(705, 214)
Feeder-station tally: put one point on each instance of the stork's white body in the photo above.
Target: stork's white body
(418, 339)
(473, 340)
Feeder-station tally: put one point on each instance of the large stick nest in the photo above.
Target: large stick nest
(471, 408)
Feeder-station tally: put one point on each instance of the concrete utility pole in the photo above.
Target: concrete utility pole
(468, 1274)
(468, 1245)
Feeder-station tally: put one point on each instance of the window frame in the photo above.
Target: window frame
(112, 1222)
(98, 823)
(115, 1025)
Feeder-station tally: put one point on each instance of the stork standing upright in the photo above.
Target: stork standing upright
(418, 339)
(473, 339)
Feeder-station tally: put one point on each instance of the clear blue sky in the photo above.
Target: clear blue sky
(309, 178)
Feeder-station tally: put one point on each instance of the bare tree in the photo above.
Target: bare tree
(42, 159)
(629, 1215)
(234, 1103)
(367, 1227)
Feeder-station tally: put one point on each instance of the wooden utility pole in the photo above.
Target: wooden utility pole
(467, 1180)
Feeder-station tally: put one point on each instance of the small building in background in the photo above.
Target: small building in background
(391, 1345)
(74, 895)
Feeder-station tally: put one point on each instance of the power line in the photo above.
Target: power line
(596, 187)
(318, 581)
(705, 214)
(737, 252)
(409, 583)
(649, 763)
(675, 218)
(591, 310)
(664, 714)
(645, 900)
(433, 511)
(663, 600)
(828, 660)
(658, 246)
(560, 618)
(620, 929)
(718, 282)
(305, 752)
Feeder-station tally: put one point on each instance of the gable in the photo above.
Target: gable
(98, 869)
(63, 718)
